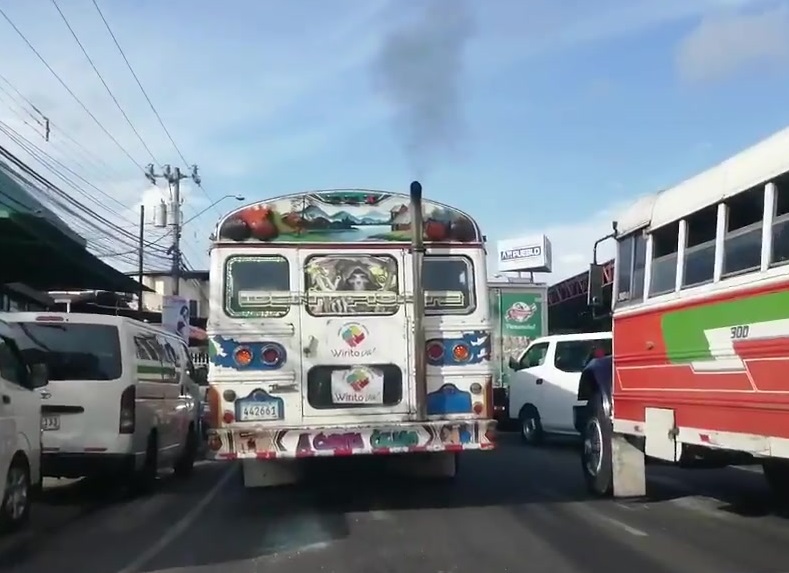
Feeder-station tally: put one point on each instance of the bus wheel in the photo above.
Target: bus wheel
(777, 474)
(530, 425)
(596, 452)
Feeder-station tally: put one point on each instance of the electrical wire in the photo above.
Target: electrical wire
(69, 90)
(148, 99)
(104, 83)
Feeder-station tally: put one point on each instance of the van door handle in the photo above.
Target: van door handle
(539, 381)
(6, 399)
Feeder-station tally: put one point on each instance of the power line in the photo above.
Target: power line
(109, 91)
(147, 98)
(68, 89)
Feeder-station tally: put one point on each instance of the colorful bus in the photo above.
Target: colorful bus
(336, 329)
(700, 327)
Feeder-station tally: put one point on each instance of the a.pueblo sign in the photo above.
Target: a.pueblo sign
(525, 254)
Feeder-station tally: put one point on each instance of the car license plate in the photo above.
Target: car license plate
(258, 411)
(50, 423)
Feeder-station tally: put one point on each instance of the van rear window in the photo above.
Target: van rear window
(75, 351)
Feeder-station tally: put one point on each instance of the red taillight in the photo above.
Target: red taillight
(49, 318)
(435, 350)
(128, 411)
(270, 356)
(213, 400)
(228, 417)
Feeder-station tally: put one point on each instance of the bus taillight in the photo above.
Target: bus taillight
(242, 356)
(271, 356)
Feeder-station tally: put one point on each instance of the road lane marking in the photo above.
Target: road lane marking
(181, 526)
(621, 525)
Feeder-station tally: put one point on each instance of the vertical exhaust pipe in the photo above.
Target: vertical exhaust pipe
(418, 308)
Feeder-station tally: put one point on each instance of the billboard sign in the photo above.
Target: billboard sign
(525, 254)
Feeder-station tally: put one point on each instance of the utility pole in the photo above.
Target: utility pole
(173, 177)
(141, 259)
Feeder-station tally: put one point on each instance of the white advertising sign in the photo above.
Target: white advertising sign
(525, 254)
(175, 315)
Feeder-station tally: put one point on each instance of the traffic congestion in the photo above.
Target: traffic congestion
(319, 437)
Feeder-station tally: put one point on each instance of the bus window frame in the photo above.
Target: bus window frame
(226, 292)
(766, 271)
(305, 303)
(471, 269)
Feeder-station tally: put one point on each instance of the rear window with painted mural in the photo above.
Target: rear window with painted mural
(257, 286)
(342, 285)
(449, 285)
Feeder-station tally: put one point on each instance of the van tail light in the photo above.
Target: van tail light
(214, 414)
(128, 414)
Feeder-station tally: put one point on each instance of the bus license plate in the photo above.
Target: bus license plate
(50, 423)
(258, 411)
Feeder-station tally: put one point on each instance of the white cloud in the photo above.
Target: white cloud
(727, 42)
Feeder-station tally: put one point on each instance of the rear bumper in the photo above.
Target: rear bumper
(366, 439)
(74, 465)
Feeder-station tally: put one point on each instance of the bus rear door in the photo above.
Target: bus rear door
(354, 335)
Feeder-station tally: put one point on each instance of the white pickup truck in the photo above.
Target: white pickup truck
(543, 395)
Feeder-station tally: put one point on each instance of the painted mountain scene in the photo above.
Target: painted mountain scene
(343, 216)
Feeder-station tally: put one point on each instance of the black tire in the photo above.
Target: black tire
(776, 472)
(186, 462)
(144, 480)
(17, 496)
(596, 450)
(530, 426)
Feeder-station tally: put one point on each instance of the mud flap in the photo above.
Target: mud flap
(271, 473)
(661, 441)
(627, 465)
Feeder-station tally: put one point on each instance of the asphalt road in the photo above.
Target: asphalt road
(513, 510)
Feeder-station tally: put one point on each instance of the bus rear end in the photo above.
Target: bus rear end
(322, 347)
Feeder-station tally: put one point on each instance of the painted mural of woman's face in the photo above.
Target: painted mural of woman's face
(358, 281)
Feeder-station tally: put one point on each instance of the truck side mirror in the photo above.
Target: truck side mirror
(595, 294)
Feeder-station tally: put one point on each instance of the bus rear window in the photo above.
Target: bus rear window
(350, 285)
(74, 351)
(257, 286)
(448, 281)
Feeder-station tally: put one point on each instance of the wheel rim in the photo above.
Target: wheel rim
(16, 493)
(593, 446)
(529, 428)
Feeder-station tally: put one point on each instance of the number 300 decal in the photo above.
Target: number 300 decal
(739, 331)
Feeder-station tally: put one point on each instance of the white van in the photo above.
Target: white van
(121, 400)
(543, 393)
(20, 427)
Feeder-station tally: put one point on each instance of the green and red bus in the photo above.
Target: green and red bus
(699, 373)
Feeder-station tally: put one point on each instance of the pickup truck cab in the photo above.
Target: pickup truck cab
(543, 395)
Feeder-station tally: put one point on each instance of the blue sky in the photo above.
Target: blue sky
(562, 111)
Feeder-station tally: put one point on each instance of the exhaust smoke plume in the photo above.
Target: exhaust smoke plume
(419, 71)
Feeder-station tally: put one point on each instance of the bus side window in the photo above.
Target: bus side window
(665, 244)
(700, 247)
(624, 269)
(780, 231)
(742, 245)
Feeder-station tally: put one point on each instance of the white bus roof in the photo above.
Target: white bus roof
(756, 165)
